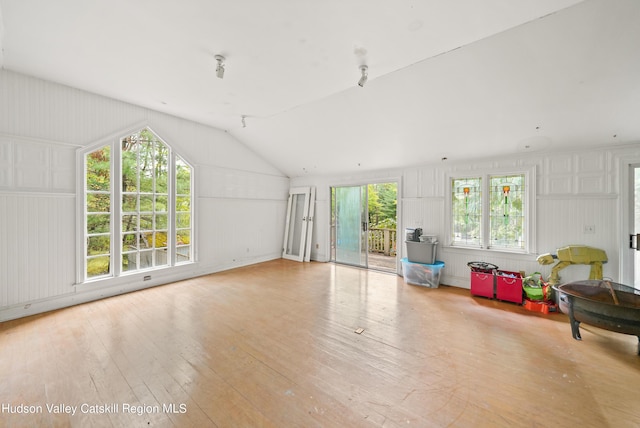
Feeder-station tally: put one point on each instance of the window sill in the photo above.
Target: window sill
(478, 250)
(136, 280)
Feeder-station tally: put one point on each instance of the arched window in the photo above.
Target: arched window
(137, 207)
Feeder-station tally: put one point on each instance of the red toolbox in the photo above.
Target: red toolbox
(482, 279)
(509, 286)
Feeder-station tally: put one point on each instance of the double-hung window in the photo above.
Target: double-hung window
(137, 207)
(492, 211)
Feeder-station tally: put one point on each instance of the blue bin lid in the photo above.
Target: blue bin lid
(438, 263)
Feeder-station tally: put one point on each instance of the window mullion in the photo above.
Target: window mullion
(116, 211)
(85, 210)
(154, 187)
(486, 213)
(171, 209)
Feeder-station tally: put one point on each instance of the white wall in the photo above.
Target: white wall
(240, 198)
(572, 190)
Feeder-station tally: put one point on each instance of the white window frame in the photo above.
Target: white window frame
(529, 212)
(115, 143)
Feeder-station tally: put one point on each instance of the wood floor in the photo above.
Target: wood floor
(275, 345)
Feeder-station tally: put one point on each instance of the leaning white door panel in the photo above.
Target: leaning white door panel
(295, 232)
(312, 209)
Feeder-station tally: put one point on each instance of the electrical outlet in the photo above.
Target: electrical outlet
(589, 228)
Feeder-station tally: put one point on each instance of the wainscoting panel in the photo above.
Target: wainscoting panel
(430, 183)
(559, 164)
(591, 183)
(35, 165)
(590, 162)
(426, 213)
(559, 185)
(562, 221)
(37, 247)
(410, 184)
(6, 164)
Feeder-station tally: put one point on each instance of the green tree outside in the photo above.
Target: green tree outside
(144, 187)
(383, 205)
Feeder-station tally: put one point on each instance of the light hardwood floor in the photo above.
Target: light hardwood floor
(274, 345)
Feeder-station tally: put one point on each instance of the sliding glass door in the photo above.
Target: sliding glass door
(350, 225)
(363, 225)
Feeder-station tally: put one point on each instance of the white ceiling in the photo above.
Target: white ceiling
(460, 79)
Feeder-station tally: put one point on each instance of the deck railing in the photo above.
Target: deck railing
(382, 241)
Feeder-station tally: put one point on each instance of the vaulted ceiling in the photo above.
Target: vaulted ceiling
(456, 79)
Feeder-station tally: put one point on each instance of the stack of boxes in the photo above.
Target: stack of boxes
(420, 267)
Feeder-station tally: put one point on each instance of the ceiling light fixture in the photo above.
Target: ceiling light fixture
(244, 124)
(364, 76)
(220, 67)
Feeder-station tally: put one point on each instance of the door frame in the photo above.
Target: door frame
(364, 182)
(626, 207)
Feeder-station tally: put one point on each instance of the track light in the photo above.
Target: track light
(363, 78)
(220, 67)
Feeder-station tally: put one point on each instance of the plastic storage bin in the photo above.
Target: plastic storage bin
(424, 274)
(509, 286)
(421, 252)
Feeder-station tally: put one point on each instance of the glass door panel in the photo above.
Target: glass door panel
(295, 233)
(350, 225)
